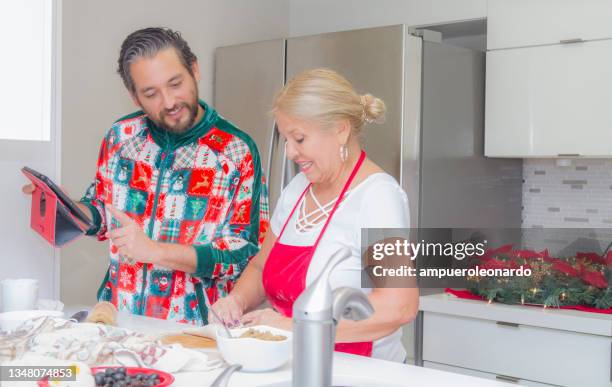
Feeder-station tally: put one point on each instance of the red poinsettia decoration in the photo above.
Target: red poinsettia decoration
(565, 267)
(592, 257)
(595, 278)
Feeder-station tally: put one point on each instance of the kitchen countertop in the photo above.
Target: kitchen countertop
(563, 319)
(348, 369)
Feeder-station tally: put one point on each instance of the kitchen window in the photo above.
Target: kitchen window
(26, 37)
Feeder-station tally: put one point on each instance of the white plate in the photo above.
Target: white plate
(12, 320)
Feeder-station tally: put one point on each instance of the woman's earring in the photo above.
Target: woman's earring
(343, 152)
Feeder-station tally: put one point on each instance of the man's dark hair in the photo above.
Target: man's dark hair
(147, 42)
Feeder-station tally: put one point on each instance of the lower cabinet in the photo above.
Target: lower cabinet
(517, 353)
(484, 375)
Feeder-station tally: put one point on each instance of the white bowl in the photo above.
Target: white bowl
(12, 320)
(254, 354)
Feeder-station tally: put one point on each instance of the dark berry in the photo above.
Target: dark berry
(118, 376)
(99, 378)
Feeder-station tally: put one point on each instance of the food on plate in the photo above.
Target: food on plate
(104, 313)
(265, 335)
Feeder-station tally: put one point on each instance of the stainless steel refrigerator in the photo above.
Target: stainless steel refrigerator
(432, 141)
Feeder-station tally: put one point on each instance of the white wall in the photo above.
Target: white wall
(94, 96)
(24, 253)
(318, 16)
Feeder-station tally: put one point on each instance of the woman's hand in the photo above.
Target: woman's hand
(248, 292)
(229, 309)
(268, 317)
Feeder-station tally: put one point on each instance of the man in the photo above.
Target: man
(178, 189)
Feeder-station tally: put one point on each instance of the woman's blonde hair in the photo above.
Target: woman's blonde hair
(326, 97)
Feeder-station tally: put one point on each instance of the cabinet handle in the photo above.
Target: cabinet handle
(505, 378)
(570, 41)
(507, 324)
(568, 154)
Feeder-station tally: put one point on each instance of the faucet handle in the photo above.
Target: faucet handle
(350, 304)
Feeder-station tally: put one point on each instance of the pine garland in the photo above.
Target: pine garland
(580, 280)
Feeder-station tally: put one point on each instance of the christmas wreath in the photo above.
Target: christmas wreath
(581, 280)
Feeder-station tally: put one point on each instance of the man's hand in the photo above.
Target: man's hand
(28, 189)
(130, 239)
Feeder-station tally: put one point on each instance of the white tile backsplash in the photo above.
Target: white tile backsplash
(572, 206)
(577, 196)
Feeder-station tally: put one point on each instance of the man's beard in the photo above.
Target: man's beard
(192, 112)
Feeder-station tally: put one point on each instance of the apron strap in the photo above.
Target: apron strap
(346, 185)
(344, 189)
(292, 212)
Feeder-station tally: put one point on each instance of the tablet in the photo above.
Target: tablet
(61, 195)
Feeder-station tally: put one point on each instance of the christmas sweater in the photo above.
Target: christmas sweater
(203, 188)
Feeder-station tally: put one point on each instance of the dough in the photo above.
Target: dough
(103, 313)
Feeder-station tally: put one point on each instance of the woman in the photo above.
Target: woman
(337, 192)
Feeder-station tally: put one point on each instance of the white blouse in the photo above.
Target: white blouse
(376, 202)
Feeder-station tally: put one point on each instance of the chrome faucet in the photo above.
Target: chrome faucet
(223, 379)
(316, 313)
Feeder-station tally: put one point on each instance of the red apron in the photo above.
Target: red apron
(284, 274)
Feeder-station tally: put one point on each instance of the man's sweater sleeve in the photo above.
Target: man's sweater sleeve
(95, 196)
(241, 233)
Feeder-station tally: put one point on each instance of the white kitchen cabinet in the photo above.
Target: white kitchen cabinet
(520, 23)
(550, 101)
(530, 345)
(484, 375)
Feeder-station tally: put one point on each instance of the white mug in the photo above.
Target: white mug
(19, 294)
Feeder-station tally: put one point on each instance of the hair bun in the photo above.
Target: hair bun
(373, 109)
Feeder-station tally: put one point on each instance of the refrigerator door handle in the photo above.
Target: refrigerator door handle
(288, 171)
(283, 167)
(271, 147)
(279, 169)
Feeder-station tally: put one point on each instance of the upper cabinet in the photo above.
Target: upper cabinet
(549, 78)
(521, 23)
(549, 101)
